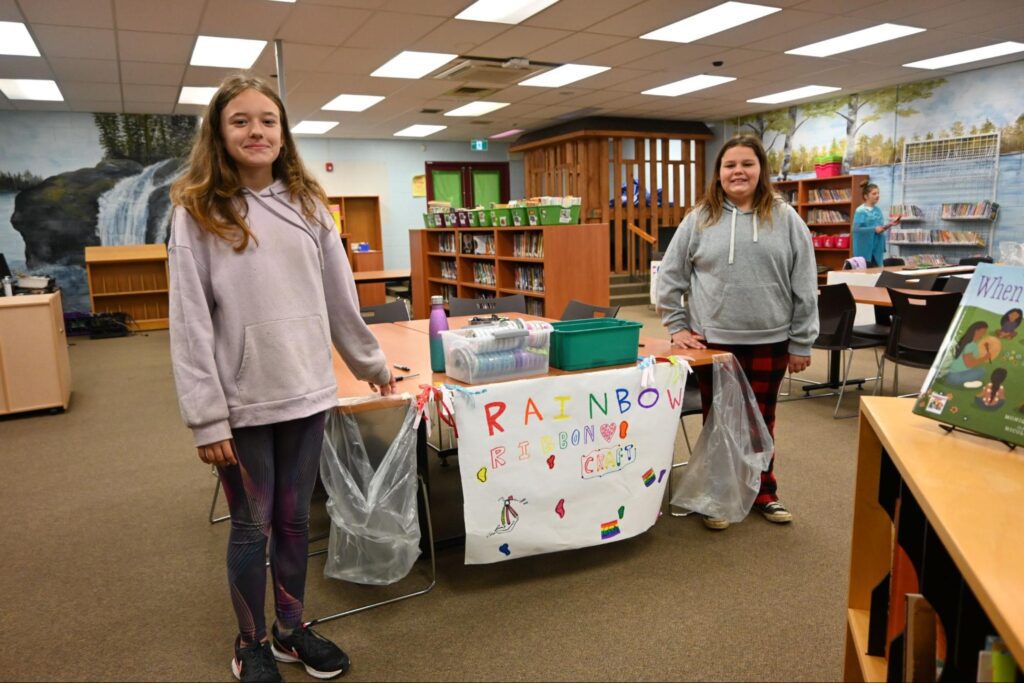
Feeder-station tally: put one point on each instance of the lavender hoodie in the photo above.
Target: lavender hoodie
(251, 332)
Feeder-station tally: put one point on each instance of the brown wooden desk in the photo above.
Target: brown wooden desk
(879, 296)
(380, 275)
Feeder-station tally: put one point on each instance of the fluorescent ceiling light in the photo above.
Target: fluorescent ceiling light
(313, 127)
(686, 85)
(507, 134)
(715, 20)
(284, 0)
(503, 11)
(478, 108)
(30, 89)
(795, 94)
(410, 64)
(15, 40)
(855, 40)
(352, 102)
(563, 75)
(192, 95)
(977, 54)
(232, 53)
(419, 131)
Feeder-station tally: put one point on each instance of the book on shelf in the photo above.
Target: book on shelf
(528, 244)
(480, 244)
(483, 274)
(446, 243)
(534, 307)
(529, 278)
(923, 236)
(975, 381)
(906, 211)
(825, 194)
(984, 209)
(827, 216)
(449, 271)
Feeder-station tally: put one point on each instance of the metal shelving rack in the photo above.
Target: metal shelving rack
(949, 171)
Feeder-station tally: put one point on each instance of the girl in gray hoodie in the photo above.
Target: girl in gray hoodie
(260, 289)
(745, 261)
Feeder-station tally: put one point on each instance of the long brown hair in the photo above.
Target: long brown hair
(713, 203)
(210, 188)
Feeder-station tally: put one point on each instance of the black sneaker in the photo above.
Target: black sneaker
(321, 657)
(255, 663)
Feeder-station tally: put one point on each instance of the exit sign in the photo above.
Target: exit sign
(478, 145)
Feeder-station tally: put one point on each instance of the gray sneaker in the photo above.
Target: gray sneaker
(715, 523)
(775, 512)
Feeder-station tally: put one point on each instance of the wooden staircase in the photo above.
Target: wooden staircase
(626, 291)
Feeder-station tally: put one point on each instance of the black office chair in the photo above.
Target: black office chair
(919, 326)
(577, 310)
(880, 329)
(393, 312)
(836, 311)
(502, 304)
(956, 284)
(893, 261)
(975, 260)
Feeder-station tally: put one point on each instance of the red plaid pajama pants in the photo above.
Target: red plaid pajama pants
(764, 366)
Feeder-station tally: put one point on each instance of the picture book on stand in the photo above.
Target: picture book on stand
(975, 382)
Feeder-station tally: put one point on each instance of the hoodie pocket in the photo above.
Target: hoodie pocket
(284, 359)
(754, 307)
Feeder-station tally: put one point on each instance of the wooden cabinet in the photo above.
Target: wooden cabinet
(34, 369)
(548, 264)
(130, 279)
(827, 206)
(960, 508)
(371, 294)
(358, 219)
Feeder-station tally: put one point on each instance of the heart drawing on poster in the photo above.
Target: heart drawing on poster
(608, 431)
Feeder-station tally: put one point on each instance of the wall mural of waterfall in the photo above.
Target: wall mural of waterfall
(61, 192)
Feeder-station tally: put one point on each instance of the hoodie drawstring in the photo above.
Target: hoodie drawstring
(301, 223)
(732, 235)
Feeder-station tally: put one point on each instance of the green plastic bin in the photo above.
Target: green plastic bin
(483, 218)
(428, 220)
(519, 217)
(501, 218)
(472, 217)
(557, 215)
(594, 343)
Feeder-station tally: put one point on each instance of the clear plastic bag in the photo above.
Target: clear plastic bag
(724, 474)
(369, 472)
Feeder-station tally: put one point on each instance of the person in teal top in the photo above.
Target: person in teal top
(869, 227)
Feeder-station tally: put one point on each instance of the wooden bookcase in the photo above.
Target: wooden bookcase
(574, 265)
(370, 294)
(130, 279)
(360, 219)
(35, 372)
(965, 529)
(803, 196)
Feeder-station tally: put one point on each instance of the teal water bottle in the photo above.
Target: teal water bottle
(438, 324)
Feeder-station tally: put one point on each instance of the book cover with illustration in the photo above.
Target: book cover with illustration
(974, 383)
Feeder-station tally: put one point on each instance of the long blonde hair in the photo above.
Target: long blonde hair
(713, 202)
(210, 188)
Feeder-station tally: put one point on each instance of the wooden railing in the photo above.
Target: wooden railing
(638, 244)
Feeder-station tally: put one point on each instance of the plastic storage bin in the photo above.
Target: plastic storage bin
(553, 215)
(501, 218)
(483, 218)
(594, 343)
(488, 353)
(829, 170)
(519, 217)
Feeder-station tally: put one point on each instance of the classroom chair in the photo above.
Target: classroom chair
(919, 326)
(393, 312)
(893, 261)
(956, 284)
(502, 304)
(974, 260)
(880, 328)
(577, 310)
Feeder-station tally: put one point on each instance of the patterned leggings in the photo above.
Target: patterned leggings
(268, 493)
(764, 366)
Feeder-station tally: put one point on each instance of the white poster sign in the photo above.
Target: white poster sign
(655, 267)
(565, 461)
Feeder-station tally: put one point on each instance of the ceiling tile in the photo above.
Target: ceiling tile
(236, 19)
(10, 12)
(520, 41)
(205, 76)
(320, 25)
(146, 107)
(833, 7)
(96, 106)
(440, 8)
(575, 48)
(32, 105)
(576, 15)
(627, 52)
(359, 61)
(649, 15)
(898, 10)
(392, 30)
(24, 67)
(180, 16)
(457, 36)
(829, 27)
(683, 59)
(95, 70)
(780, 22)
(152, 73)
(68, 41)
(83, 90)
(134, 92)
(88, 13)
(166, 48)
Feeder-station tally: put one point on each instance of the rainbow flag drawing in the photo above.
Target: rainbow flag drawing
(610, 529)
(649, 477)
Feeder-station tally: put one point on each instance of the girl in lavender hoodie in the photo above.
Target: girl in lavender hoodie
(260, 289)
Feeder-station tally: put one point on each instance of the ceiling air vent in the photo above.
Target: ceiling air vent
(470, 92)
(493, 72)
(430, 111)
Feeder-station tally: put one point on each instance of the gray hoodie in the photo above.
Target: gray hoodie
(251, 332)
(745, 283)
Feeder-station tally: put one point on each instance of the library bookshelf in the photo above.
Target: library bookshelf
(549, 265)
(130, 279)
(959, 525)
(826, 205)
(357, 219)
